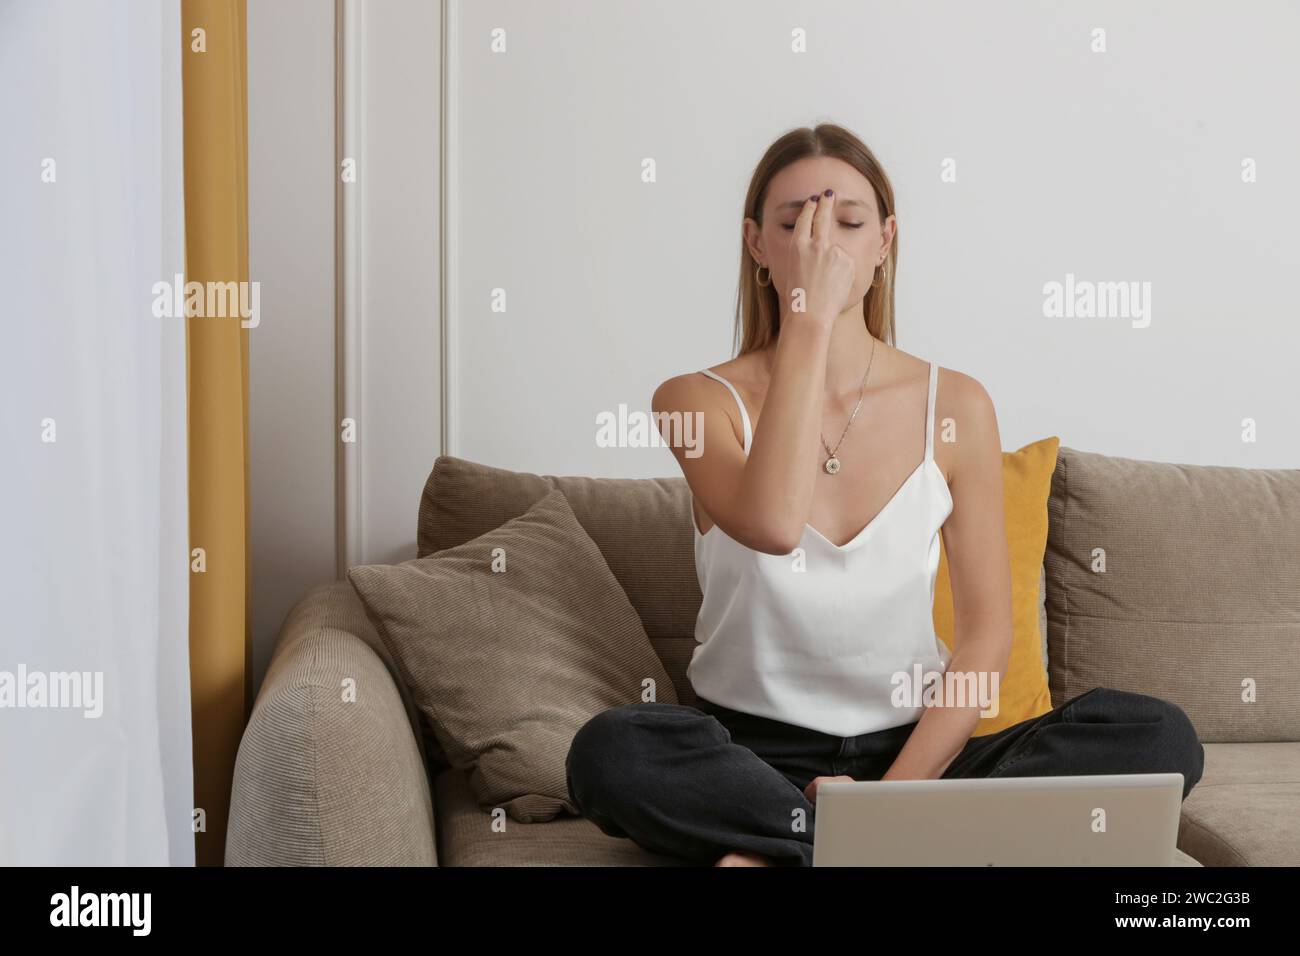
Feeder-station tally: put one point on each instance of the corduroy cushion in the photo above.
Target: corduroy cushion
(1027, 482)
(1178, 581)
(463, 840)
(510, 642)
(641, 525)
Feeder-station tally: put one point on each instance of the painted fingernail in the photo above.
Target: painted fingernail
(828, 192)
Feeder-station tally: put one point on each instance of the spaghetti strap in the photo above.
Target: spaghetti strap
(929, 412)
(744, 415)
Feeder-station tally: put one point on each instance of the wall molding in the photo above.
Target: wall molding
(349, 77)
(447, 226)
(392, 312)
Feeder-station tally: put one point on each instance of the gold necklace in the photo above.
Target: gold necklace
(832, 464)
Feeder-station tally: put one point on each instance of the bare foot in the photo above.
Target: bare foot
(741, 858)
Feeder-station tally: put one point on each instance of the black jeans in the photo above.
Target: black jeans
(699, 782)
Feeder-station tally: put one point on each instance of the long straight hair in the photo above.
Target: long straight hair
(758, 315)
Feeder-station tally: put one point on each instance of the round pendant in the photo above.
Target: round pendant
(832, 465)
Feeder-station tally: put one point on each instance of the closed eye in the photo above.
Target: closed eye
(847, 225)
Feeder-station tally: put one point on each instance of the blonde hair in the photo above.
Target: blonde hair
(757, 307)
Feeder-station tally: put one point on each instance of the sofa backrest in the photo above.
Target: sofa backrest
(1179, 581)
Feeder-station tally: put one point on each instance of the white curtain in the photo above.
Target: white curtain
(93, 524)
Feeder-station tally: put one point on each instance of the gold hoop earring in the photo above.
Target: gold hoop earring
(758, 276)
(877, 284)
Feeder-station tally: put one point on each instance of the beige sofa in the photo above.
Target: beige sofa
(1175, 580)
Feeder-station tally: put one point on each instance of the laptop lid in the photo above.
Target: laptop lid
(1077, 820)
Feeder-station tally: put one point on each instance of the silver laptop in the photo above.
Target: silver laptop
(1078, 820)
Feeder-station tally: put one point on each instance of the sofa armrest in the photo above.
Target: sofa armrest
(330, 771)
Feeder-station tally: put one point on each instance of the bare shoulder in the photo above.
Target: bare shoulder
(962, 395)
(694, 390)
(957, 395)
(965, 422)
(679, 393)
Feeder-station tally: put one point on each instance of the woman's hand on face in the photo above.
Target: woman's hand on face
(810, 791)
(820, 273)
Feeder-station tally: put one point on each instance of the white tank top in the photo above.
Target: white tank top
(820, 647)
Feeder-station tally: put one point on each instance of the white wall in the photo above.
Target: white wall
(1123, 165)
(300, 471)
(397, 232)
(1115, 166)
(291, 352)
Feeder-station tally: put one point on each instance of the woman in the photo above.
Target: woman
(817, 556)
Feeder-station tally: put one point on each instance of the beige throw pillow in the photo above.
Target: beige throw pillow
(509, 643)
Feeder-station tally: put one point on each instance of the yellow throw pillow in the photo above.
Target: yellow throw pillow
(1027, 483)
